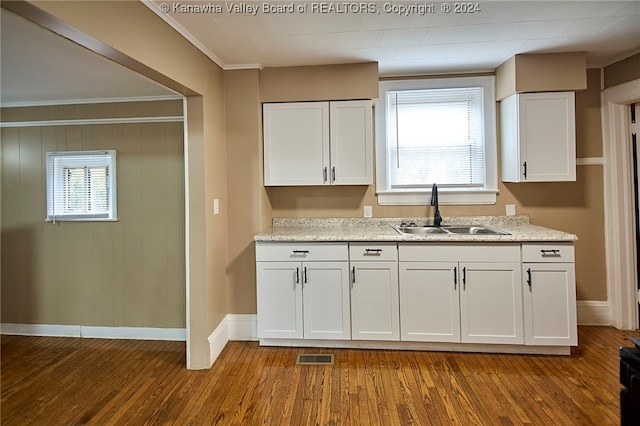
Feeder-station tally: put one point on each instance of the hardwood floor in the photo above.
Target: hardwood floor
(65, 381)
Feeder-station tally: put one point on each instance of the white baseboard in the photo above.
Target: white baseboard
(243, 327)
(135, 333)
(594, 312)
(233, 327)
(218, 340)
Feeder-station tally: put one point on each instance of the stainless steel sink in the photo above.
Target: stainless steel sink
(419, 230)
(474, 230)
(450, 230)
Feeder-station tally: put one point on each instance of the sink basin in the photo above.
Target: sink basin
(420, 230)
(474, 230)
(449, 230)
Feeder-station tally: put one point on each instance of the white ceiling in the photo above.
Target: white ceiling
(38, 67)
(430, 43)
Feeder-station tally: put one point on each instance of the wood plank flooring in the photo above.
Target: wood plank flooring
(69, 381)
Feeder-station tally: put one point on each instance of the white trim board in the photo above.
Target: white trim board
(594, 312)
(88, 121)
(218, 340)
(96, 332)
(620, 229)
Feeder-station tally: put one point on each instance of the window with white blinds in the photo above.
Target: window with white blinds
(436, 131)
(81, 185)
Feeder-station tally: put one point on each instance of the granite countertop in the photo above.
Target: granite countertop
(518, 227)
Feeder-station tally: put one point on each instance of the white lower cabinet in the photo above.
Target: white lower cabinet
(279, 300)
(491, 303)
(306, 296)
(429, 300)
(470, 298)
(374, 292)
(475, 294)
(549, 295)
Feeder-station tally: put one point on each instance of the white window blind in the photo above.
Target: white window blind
(81, 185)
(436, 136)
(436, 130)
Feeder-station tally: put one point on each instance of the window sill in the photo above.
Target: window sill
(84, 219)
(445, 197)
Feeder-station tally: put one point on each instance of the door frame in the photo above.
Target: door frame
(620, 227)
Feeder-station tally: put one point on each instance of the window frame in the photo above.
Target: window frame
(446, 195)
(66, 159)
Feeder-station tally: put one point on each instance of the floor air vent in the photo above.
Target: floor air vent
(314, 359)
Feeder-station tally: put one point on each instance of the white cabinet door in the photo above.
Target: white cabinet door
(429, 301)
(538, 137)
(374, 301)
(326, 300)
(550, 304)
(491, 303)
(296, 143)
(279, 293)
(318, 143)
(351, 143)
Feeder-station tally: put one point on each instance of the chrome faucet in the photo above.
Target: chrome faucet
(437, 219)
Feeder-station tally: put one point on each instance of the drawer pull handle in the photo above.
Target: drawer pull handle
(374, 252)
(303, 252)
(550, 252)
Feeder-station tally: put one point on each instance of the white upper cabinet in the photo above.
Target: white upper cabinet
(538, 137)
(318, 143)
(351, 143)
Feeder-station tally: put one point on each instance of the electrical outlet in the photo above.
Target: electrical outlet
(511, 209)
(216, 206)
(368, 211)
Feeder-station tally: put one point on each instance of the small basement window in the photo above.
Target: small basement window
(81, 186)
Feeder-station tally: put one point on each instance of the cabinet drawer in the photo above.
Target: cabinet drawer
(445, 252)
(373, 251)
(278, 252)
(552, 252)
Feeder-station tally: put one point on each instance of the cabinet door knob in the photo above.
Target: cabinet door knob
(324, 174)
(524, 165)
(353, 275)
(529, 278)
(333, 174)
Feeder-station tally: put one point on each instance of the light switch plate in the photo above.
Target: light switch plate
(216, 206)
(368, 211)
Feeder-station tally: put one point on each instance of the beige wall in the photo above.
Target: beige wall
(543, 72)
(125, 273)
(320, 83)
(575, 207)
(248, 207)
(622, 71)
(132, 34)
